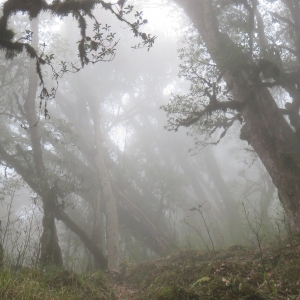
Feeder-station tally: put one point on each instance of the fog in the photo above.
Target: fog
(106, 137)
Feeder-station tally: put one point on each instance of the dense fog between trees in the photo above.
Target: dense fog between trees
(124, 161)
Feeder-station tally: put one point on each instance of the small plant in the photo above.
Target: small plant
(255, 228)
(199, 209)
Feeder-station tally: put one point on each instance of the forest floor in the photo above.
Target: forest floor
(236, 273)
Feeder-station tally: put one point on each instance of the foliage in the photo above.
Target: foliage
(209, 105)
(264, 43)
(100, 47)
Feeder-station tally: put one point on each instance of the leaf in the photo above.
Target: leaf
(203, 279)
(227, 282)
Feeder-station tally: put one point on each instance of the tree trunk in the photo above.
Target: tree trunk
(230, 207)
(162, 244)
(98, 222)
(1, 249)
(265, 128)
(267, 197)
(12, 161)
(196, 185)
(50, 249)
(87, 241)
(155, 240)
(110, 208)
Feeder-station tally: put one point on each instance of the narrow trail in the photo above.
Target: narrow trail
(122, 289)
(123, 292)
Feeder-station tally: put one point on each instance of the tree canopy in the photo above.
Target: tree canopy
(91, 49)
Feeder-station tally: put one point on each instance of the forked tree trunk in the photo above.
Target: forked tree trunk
(265, 128)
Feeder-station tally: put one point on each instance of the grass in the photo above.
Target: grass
(236, 273)
(54, 284)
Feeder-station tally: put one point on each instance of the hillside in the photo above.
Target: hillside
(235, 273)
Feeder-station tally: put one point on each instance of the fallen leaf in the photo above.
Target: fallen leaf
(203, 279)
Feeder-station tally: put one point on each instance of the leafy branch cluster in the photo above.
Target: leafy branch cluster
(100, 47)
(209, 104)
(268, 54)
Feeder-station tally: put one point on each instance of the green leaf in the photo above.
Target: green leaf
(203, 279)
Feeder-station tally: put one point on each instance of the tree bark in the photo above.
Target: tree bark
(98, 224)
(50, 249)
(1, 249)
(265, 128)
(89, 243)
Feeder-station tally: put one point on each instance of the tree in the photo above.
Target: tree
(50, 249)
(251, 64)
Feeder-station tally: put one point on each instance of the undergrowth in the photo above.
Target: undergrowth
(235, 273)
(28, 284)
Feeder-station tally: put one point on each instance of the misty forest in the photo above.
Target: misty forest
(150, 149)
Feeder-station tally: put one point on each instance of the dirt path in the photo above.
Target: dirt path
(122, 289)
(124, 292)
